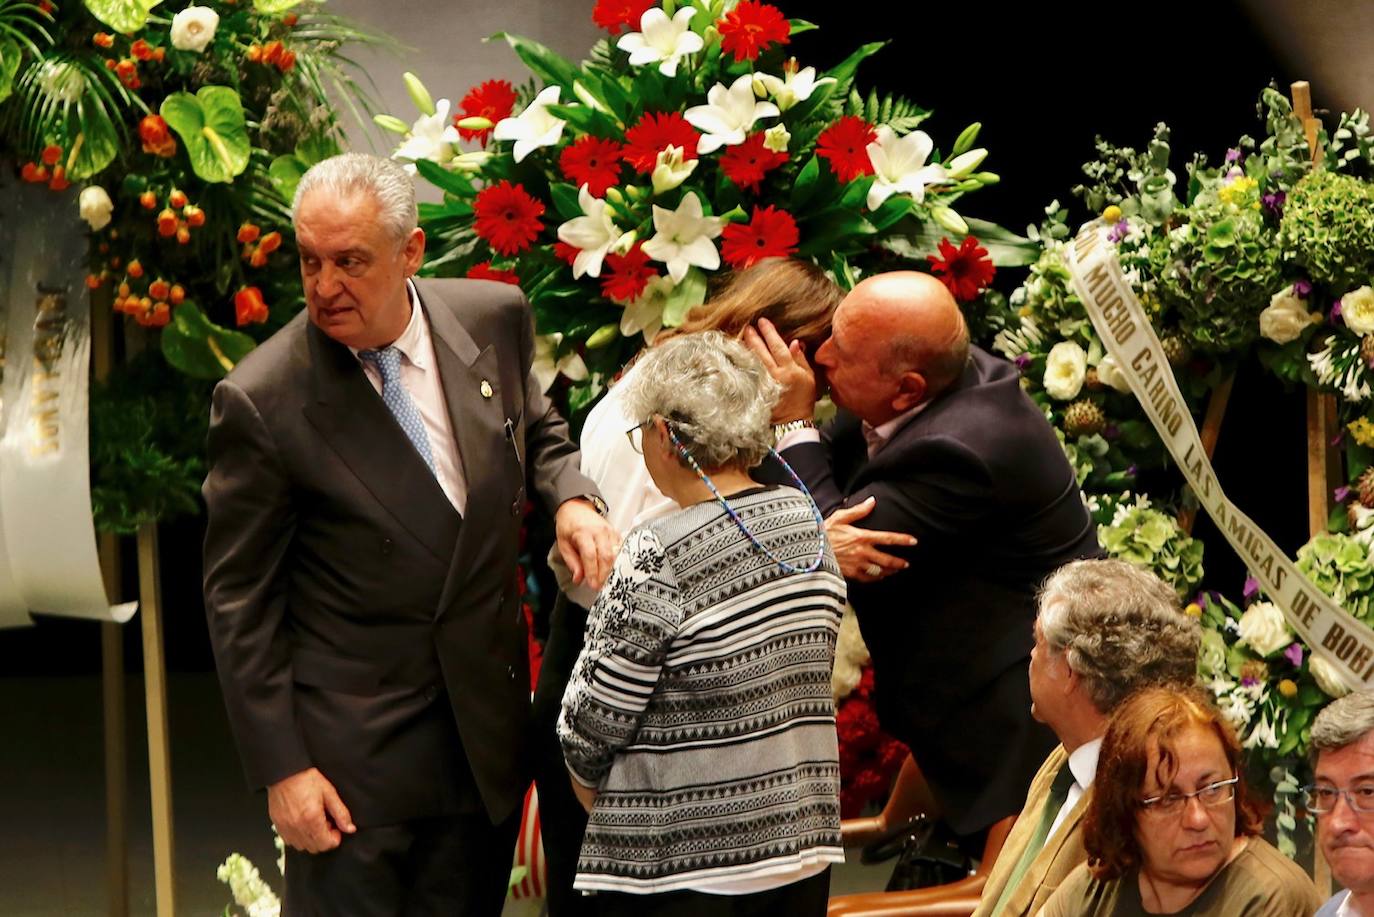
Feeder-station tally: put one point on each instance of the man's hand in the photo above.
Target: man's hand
(791, 369)
(308, 813)
(586, 541)
(856, 549)
(585, 794)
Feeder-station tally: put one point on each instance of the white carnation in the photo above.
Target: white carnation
(1264, 628)
(1065, 368)
(193, 28)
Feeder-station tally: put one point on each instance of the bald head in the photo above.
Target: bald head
(915, 317)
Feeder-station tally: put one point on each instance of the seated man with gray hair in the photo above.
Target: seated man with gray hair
(1343, 798)
(1103, 630)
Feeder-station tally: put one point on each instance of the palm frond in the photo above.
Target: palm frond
(71, 99)
(25, 23)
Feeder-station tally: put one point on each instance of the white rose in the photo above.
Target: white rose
(96, 207)
(1109, 373)
(1357, 310)
(1327, 676)
(1065, 368)
(193, 28)
(1286, 317)
(1265, 629)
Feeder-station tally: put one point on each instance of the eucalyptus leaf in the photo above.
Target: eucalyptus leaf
(200, 348)
(127, 16)
(211, 125)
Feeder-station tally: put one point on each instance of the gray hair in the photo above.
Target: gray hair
(715, 391)
(349, 174)
(1120, 627)
(1343, 721)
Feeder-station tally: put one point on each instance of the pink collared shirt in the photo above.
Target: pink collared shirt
(420, 376)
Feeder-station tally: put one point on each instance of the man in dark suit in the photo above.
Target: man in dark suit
(366, 490)
(951, 451)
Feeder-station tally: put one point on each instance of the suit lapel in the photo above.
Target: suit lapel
(351, 417)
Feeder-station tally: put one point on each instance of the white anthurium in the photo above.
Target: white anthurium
(534, 127)
(682, 237)
(645, 314)
(728, 114)
(593, 234)
(431, 137)
(547, 364)
(661, 40)
(671, 169)
(899, 166)
(793, 86)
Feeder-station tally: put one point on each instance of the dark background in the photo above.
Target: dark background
(1044, 79)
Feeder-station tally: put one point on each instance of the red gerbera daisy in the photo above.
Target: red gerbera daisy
(747, 163)
(507, 217)
(772, 233)
(484, 271)
(612, 15)
(654, 133)
(844, 145)
(565, 252)
(752, 27)
(493, 100)
(591, 161)
(625, 276)
(966, 270)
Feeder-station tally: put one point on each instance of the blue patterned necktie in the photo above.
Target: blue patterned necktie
(398, 401)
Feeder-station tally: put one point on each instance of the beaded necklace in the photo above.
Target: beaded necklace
(815, 510)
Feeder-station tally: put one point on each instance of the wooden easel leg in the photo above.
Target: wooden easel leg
(116, 770)
(155, 687)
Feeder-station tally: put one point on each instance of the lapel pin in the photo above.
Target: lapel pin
(485, 389)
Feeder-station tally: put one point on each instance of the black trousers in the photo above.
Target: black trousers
(807, 898)
(448, 866)
(562, 820)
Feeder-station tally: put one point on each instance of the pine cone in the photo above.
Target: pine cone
(1364, 485)
(1176, 349)
(1084, 418)
(1367, 350)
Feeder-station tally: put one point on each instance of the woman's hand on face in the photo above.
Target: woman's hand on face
(789, 367)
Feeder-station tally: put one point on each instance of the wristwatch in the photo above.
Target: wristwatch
(598, 503)
(782, 429)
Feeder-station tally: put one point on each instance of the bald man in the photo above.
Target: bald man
(940, 437)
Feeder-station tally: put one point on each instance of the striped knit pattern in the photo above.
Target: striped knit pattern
(701, 704)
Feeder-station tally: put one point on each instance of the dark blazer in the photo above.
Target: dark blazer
(980, 479)
(359, 624)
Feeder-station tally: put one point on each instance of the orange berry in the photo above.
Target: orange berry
(167, 223)
(30, 172)
(59, 179)
(159, 54)
(148, 200)
(178, 294)
(103, 248)
(272, 52)
(183, 235)
(124, 290)
(141, 49)
(146, 302)
(51, 154)
(254, 53)
(110, 64)
(103, 40)
(177, 198)
(160, 315)
(116, 261)
(93, 281)
(248, 232)
(286, 61)
(126, 69)
(290, 19)
(195, 217)
(159, 289)
(270, 242)
(258, 258)
(135, 269)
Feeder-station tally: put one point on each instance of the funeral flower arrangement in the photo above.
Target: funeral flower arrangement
(691, 142)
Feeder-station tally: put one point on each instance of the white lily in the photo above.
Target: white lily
(593, 234)
(662, 40)
(547, 364)
(899, 166)
(682, 237)
(794, 86)
(670, 169)
(534, 127)
(645, 314)
(431, 137)
(729, 114)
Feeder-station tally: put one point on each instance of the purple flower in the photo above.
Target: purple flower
(1130, 471)
(1249, 682)
(1302, 288)
(1341, 494)
(1336, 311)
(1251, 588)
(1111, 431)
(1338, 439)
(1232, 155)
(1294, 654)
(1023, 361)
(1118, 232)
(1274, 201)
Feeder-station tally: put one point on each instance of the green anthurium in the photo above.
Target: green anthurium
(285, 173)
(9, 66)
(200, 348)
(211, 125)
(127, 16)
(273, 7)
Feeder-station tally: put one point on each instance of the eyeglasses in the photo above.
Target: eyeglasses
(1213, 794)
(1321, 798)
(636, 435)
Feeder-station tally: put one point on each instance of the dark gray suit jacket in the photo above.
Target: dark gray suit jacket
(359, 624)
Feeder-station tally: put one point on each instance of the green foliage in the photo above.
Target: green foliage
(1328, 225)
(127, 16)
(1144, 536)
(896, 112)
(212, 127)
(1339, 566)
(200, 348)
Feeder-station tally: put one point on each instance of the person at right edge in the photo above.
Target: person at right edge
(941, 436)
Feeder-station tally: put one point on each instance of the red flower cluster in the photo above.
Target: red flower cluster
(747, 163)
(507, 217)
(484, 271)
(844, 145)
(653, 133)
(966, 270)
(493, 100)
(613, 15)
(157, 137)
(591, 161)
(752, 27)
(869, 757)
(624, 277)
(772, 233)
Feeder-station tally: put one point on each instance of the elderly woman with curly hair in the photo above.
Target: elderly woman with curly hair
(1171, 828)
(698, 725)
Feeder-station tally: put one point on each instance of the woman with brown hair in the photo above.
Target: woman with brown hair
(1171, 827)
(799, 299)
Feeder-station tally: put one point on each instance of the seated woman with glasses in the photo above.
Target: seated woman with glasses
(698, 725)
(1171, 827)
